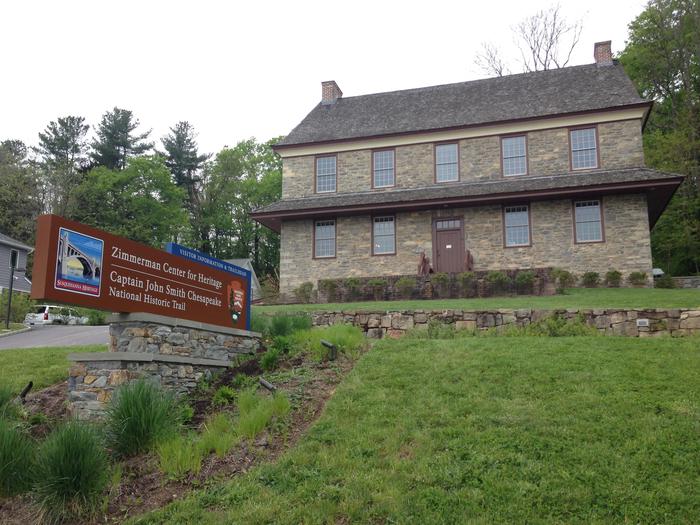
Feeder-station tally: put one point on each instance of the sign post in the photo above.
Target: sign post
(77, 264)
(13, 264)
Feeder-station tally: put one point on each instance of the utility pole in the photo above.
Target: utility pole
(13, 264)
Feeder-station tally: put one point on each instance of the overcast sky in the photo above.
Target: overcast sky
(249, 69)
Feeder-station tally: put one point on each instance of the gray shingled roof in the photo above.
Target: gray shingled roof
(4, 239)
(508, 185)
(528, 95)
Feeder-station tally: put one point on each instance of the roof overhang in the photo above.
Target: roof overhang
(659, 193)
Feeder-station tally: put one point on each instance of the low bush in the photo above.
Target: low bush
(405, 286)
(304, 292)
(499, 281)
(637, 278)
(524, 281)
(139, 416)
(328, 287)
(613, 279)
(441, 284)
(256, 412)
(352, 287)
(665, 281)
(72, 471)
(21, 305)
(377, 286)
(348, 339)
(283, 325)
(281, 344)
(260, 323)
(270, 360)
(552, 326)
(590, 279)
(96, 318)
(563, 278)
(224, 395)
(179, 456)
(219, 435)
(466, 281)
(16, 459)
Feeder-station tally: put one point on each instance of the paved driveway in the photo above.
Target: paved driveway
(52, 335)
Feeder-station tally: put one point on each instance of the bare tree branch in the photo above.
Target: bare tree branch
(489, 60)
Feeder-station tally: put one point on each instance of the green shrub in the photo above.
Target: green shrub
(665, 281)
(348, 339)
(563, 279)
(466, 282)
(224, 395)
(72, 471)
(377, 286)
(185, 413)
(282, 344)
(329, 288)
(283, 325)
(304, 292)
(405, 286)
(637, 278)
(242, 381)
(499, 281)
(96, 318)
(613, 278)
(524, 281)
(260, 323)
(590, 279)
(352, 287)
(16, 460)
(178, 456)
(8, 408)
(270, 360)
(21, 305)
(139, 415)
(256, 412)
(219, 435)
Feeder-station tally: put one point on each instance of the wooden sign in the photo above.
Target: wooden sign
(79, 265)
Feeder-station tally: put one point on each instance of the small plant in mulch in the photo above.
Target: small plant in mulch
(224, 395)
(179, 456)
(637, 278)
(498, 281)
(665, 281)
(304, 292)
(525, 281)
(405, 286)
(270, 360)
(613, 279)
(219, 435)
(378, 286)
(590, 279)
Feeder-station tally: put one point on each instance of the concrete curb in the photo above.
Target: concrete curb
(20, 331)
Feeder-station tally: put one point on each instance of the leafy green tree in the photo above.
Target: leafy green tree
(18, 192)
(184, 161)
(63, 152)
(117, 141)
(139, 202)
(662, 57)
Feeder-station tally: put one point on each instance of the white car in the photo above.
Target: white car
(49, 314)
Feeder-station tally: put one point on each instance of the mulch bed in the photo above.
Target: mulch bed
(143, 487)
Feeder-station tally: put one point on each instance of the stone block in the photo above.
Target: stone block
(374, 333)
(386, 321)
(465, 325)
(118, 377)
(420, 318)
(176, 338)
(99, 382)
(690, 323)
(394, 334)
(77, 369)
(136, 344)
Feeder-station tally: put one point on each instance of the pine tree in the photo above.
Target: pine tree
(116, 141)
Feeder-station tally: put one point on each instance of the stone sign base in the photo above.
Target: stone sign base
(175, 353)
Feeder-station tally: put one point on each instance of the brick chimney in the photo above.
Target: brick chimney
(330, 92)
(603, 53)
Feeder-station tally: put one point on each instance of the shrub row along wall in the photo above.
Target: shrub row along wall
(631, 322)
(175, 353)
(536, 281)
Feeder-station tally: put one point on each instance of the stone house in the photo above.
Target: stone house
(534, 170)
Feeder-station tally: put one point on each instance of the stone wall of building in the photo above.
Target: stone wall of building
(620, 322)
(174, 353)
(626, 247)
(480, 159)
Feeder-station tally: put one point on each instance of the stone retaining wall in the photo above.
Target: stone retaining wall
(687, 282)
(174, 353)
(623, 322)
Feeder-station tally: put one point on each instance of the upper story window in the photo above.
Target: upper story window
(514, 151)
(584, 150)
(383, 168)
(589, 221)
(325, 174)
(517, 225)
(324, 238)
(383, 236)
(446, 163)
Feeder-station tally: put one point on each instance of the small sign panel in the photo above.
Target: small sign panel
(79, 265)
(642, 323)
(448, 246)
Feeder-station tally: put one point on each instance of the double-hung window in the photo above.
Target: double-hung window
(383, 236)
(325, 174)
(517, 225)
(584, 150)
(589, 221)
(383, 168)
(446, 163)
(324, 238)
(514, 152)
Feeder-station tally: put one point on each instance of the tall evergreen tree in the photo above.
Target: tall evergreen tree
(63, 157)
(184, 161)
(18, 192)
(117, 141)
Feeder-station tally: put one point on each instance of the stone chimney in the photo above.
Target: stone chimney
(330, 92)
(603, 53)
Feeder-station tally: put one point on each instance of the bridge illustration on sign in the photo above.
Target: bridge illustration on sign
(73, 262)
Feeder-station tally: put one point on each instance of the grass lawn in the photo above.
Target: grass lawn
(44, 366)
(13, 327)
(488, 430)
(574, 298)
